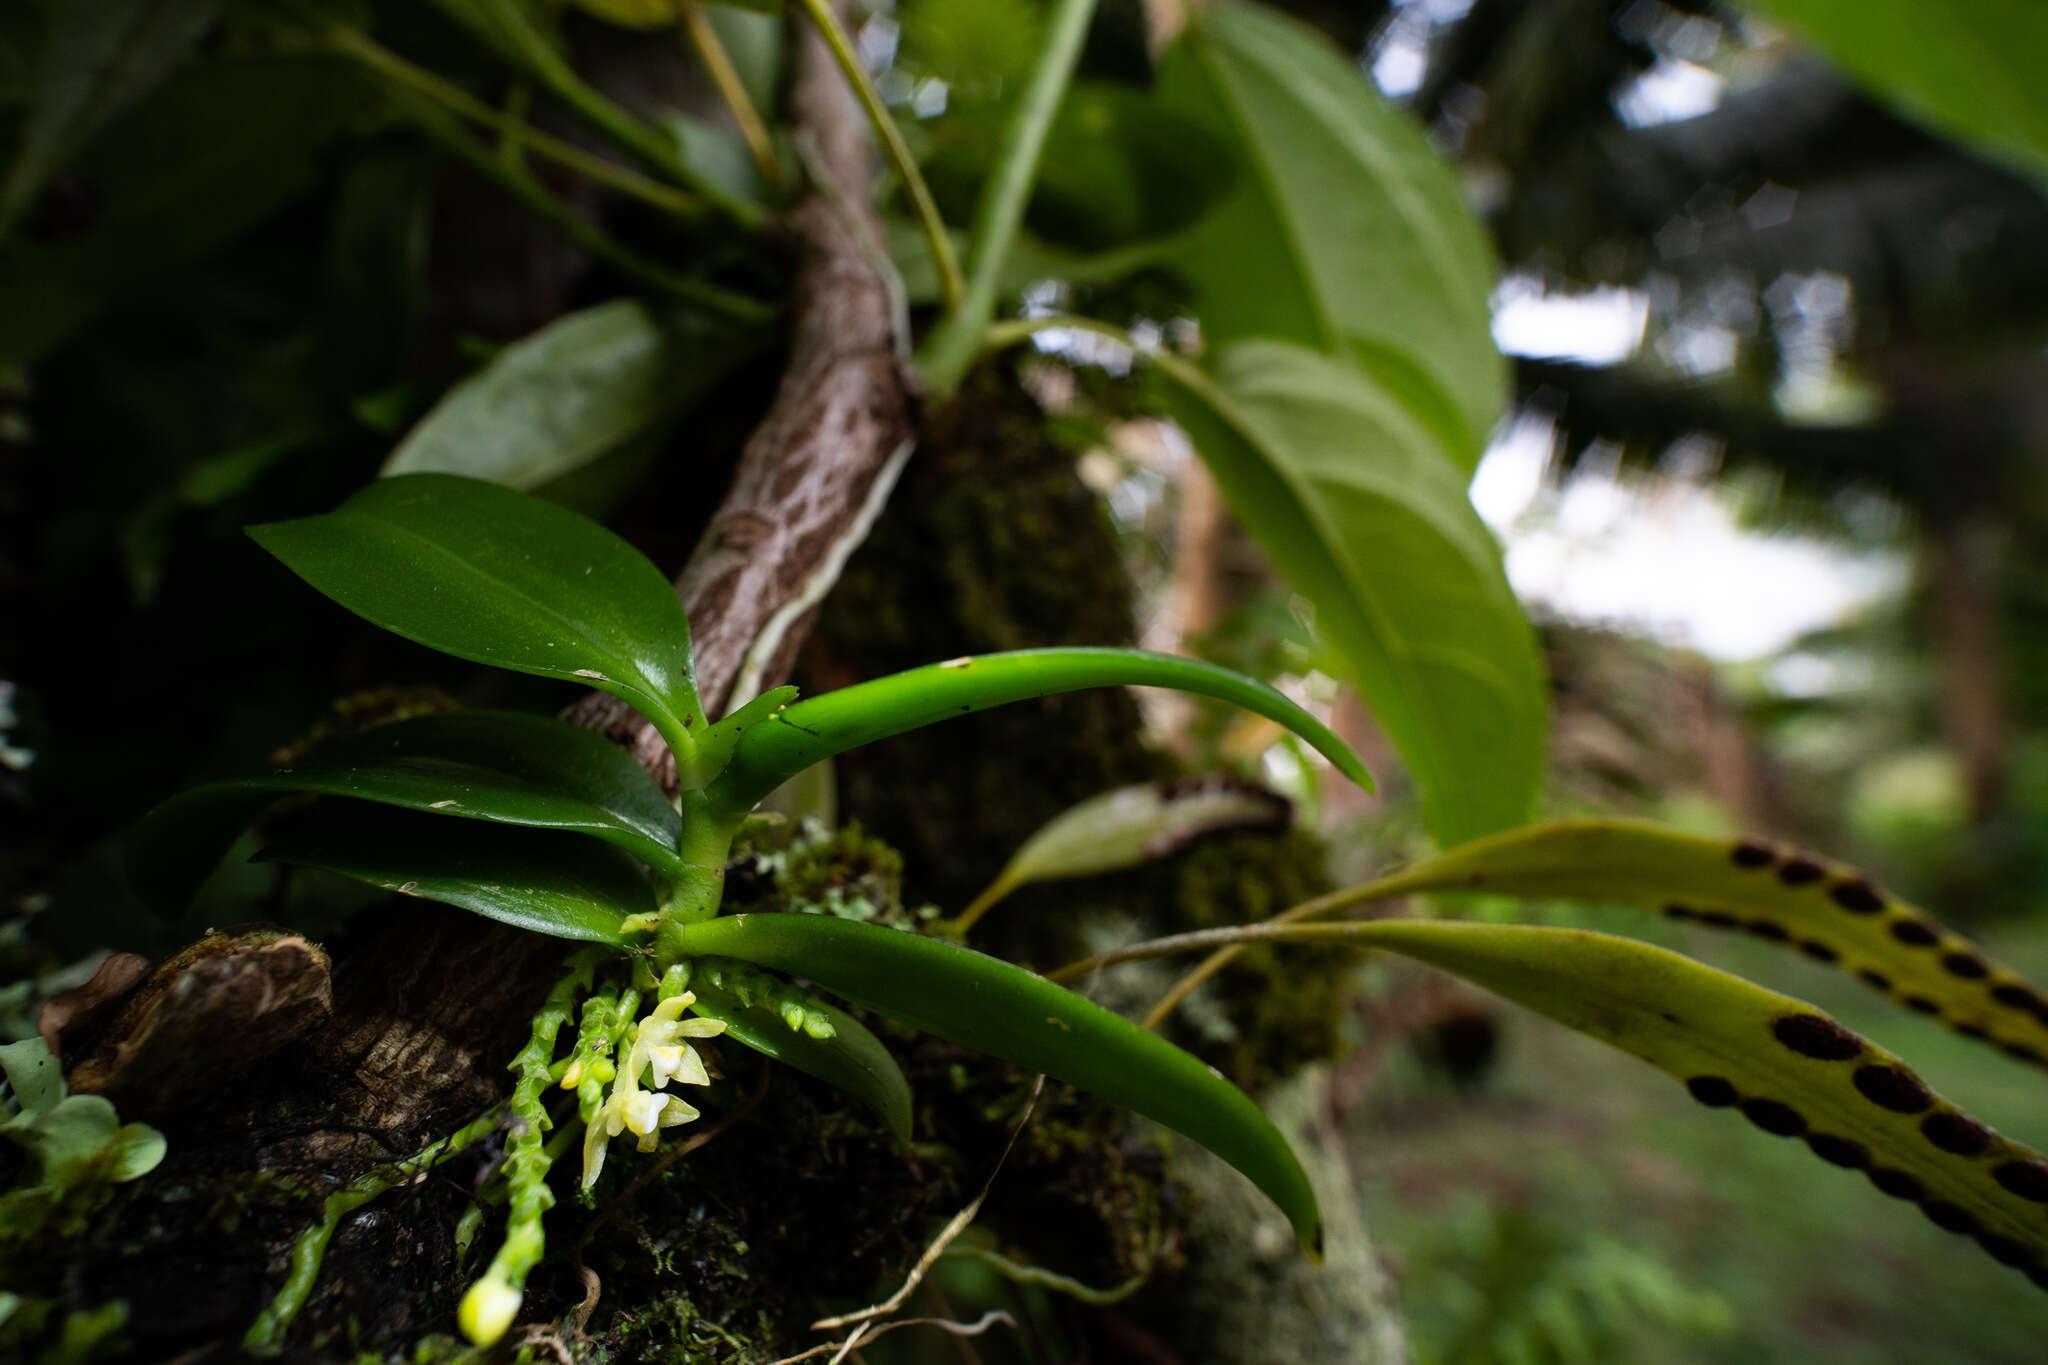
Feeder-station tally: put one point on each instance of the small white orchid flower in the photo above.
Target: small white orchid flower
(661, 1050)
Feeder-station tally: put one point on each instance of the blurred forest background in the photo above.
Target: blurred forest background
(1772, 485)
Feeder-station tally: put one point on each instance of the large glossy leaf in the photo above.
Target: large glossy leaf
(552, 402)
(852, 1059)
(1007, 1012)
(542, 880)
(95, 61)
(1977, 70)
(1344, 231)
(1370, 523)
(177, 176)
(794, 738)
(1788, 1068)
(1131, 826)
(500, 766)
(1827, 910)
(488, 574)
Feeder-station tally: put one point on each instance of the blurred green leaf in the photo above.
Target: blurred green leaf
(553, 402)
(1353, 500)
(505, 579)
(33, 1074)
(180, 175)
(500, 766)
(1790, 1069)
(1824, 909)
(1119, 167)
(542, 880)
(1131, 826)
(1344, 231)
(1977, 70)
(97, 59)
(993, 1007)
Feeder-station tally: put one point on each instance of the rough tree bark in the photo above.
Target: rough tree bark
(817, 469)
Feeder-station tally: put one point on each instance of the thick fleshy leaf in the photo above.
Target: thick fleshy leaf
(792, 739)
(993, 1007)
(1972, 70)
(1344, 231)
(1131, 826)
(543, 880)
(1824, 909)
(488, 574)
(1788, 1068)
(500, 766)
(1370, 523)
(550, 403)
(1791, 1070)
(852, 1059)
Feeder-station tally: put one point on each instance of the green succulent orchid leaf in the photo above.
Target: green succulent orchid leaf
(852, 1059)
(1789, 1069)
(1000, 1009)
(798, 736)
(501, 766)
(503, 578)
(34, 1076)
(547, 881)
(1824, 909)
(1129, 827)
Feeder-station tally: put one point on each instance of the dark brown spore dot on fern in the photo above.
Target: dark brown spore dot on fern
(1968, 966)
(2038, 1276)
(1915, 933)
(1751, 854)
(1676, 911)
(1819, 952)
(1839, 1151)
(1972, 1032)
(1769, 929)
(1877, 981)
(1780, 1120)
(1816, 1036)
(2017, 997)
(2007, 1251)
(1713, 1091)
(1719, 919)
(1920, 1004)
(1897, 1184)
(2026, 1177)
(2021, 1051)
(1958, 1134)
(1950, 1217)
(1893, 1088)
(1801, 872)
(1857, 896)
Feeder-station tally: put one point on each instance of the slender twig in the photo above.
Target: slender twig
(949, 350)
(952, 288)
(361, 47)
(717, 65)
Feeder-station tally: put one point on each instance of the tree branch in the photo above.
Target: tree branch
(816, 471)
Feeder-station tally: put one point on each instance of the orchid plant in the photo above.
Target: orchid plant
(551, 828)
